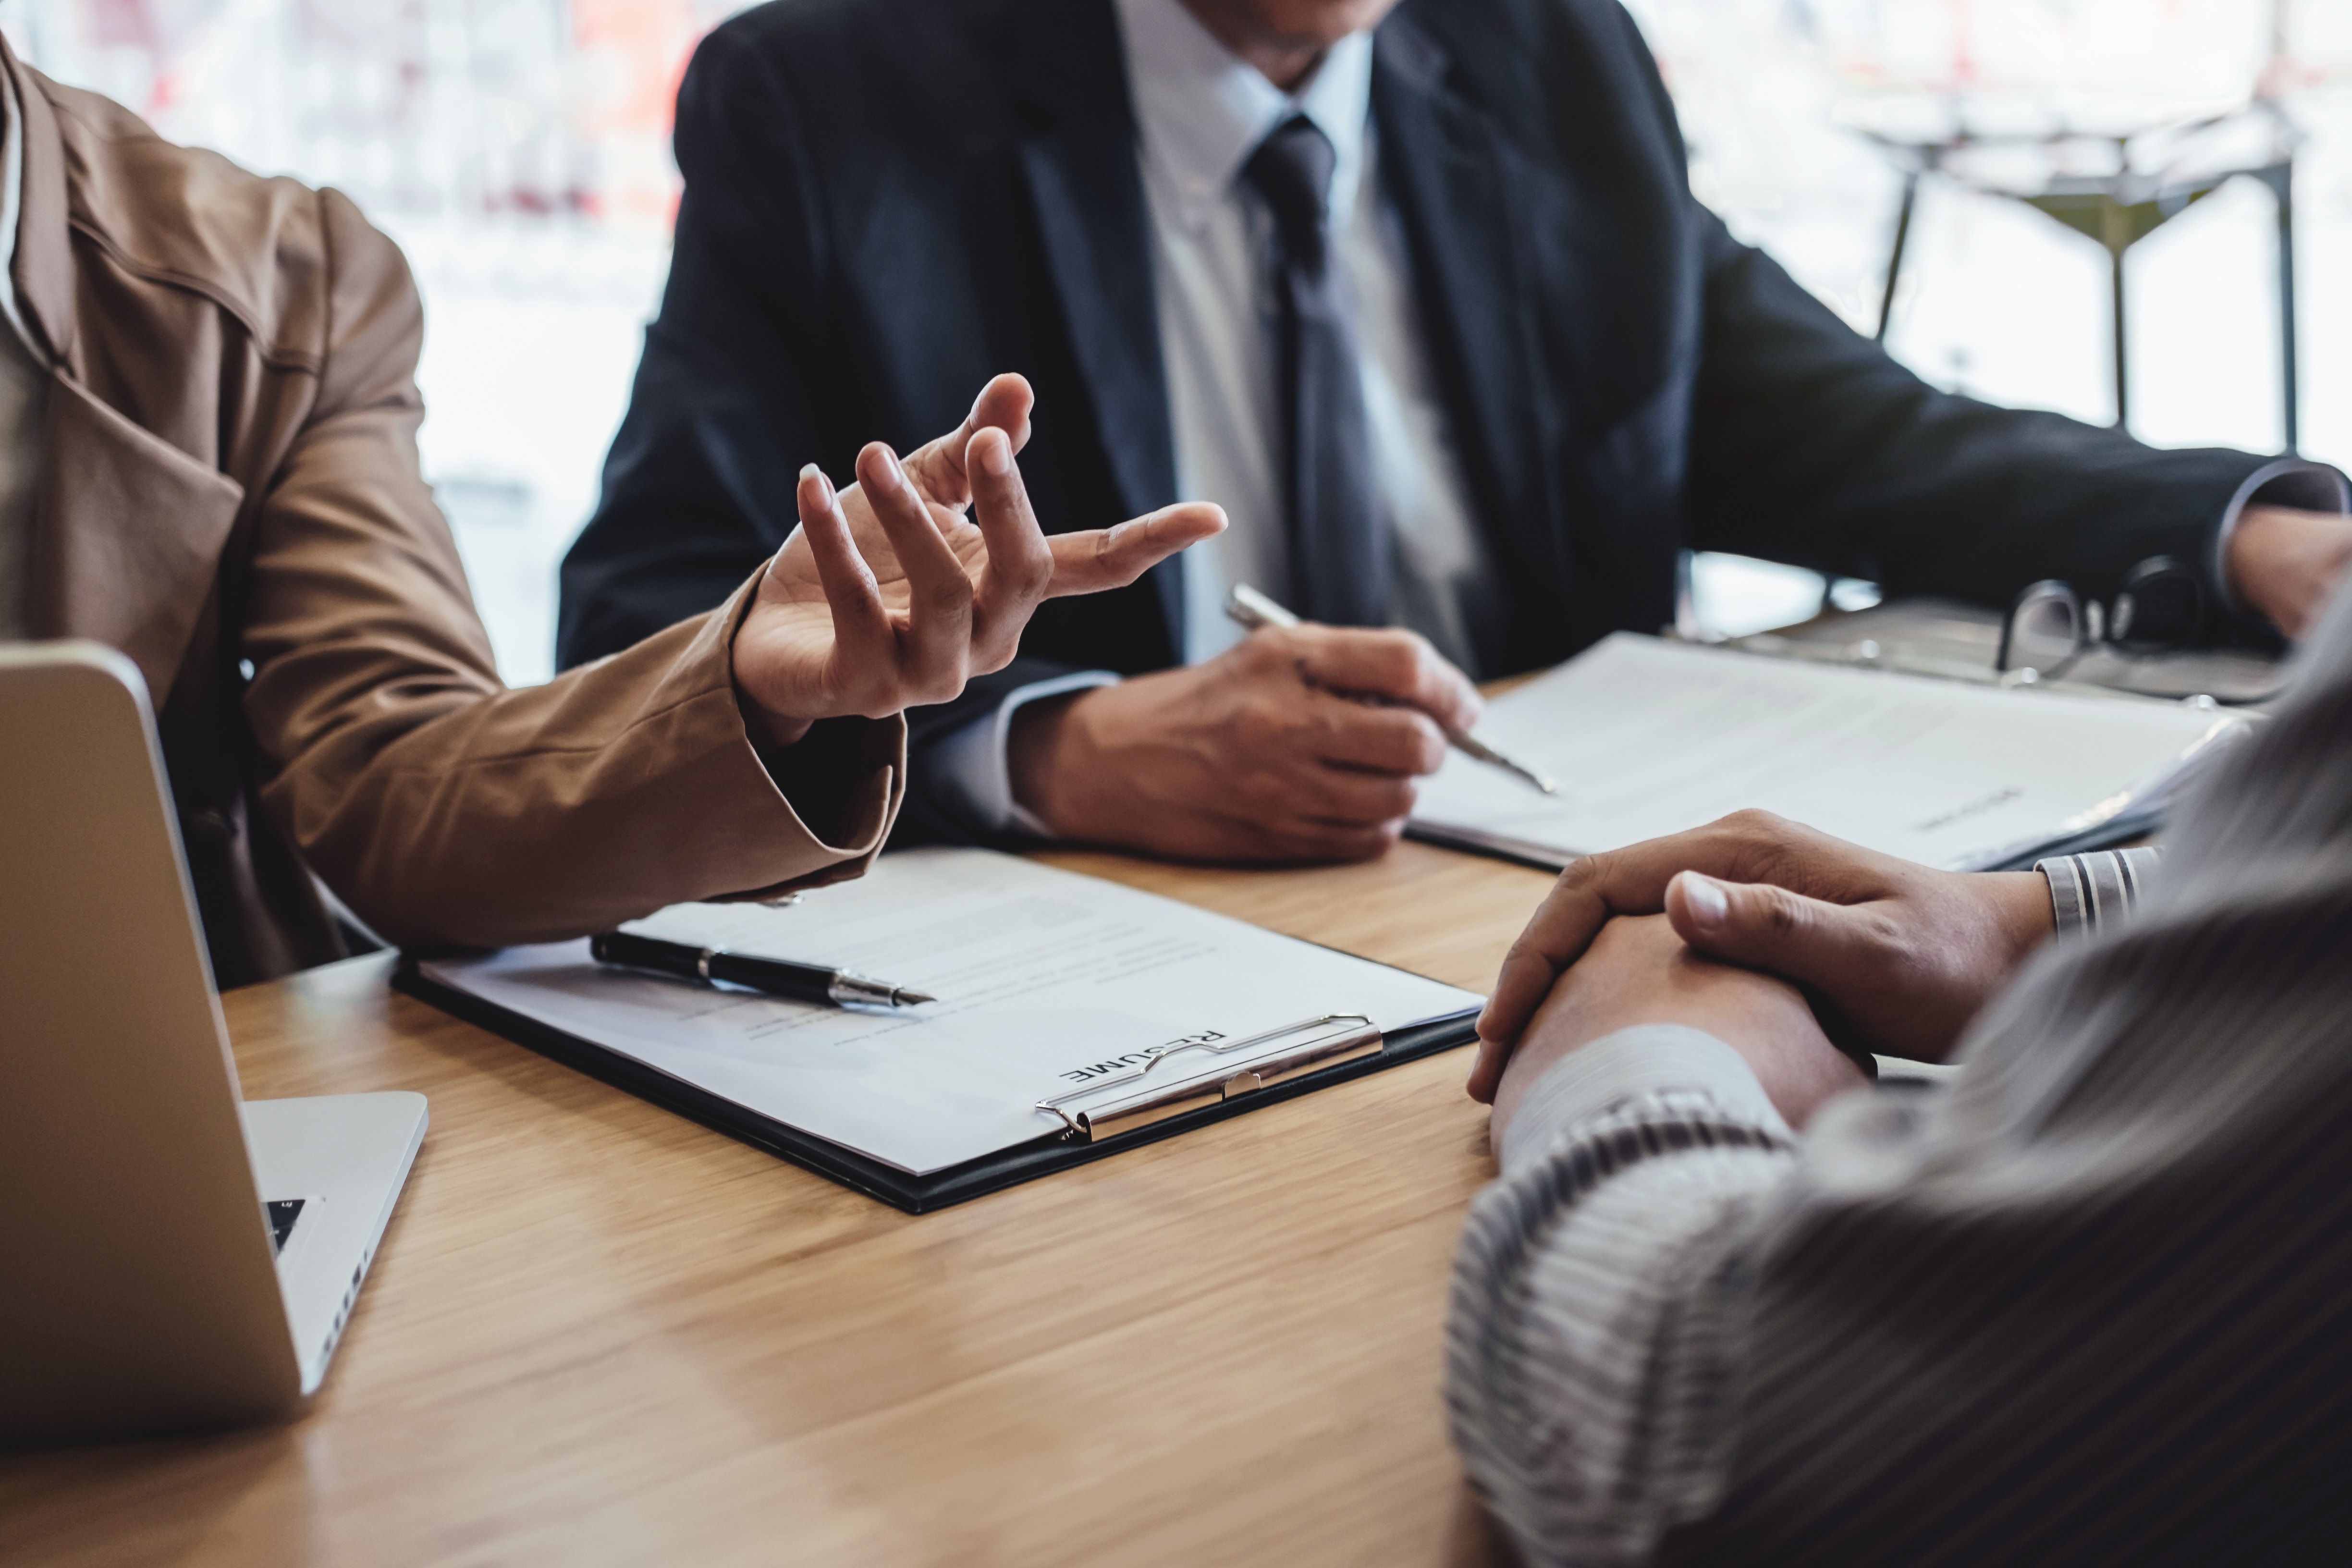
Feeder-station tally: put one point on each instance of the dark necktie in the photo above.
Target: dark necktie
(1338, 553)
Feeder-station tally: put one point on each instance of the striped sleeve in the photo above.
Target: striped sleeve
(1629, 1170)
(2088, 891)
(2087, 1304)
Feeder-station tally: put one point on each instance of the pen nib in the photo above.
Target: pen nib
(902, 997)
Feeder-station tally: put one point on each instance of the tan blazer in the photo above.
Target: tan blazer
(229, 494)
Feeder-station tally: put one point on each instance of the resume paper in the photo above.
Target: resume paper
(1046, 981)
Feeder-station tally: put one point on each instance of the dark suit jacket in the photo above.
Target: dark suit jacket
(888, 201)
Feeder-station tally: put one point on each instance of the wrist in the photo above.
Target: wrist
(764, 724)
(768, 728)
(2282, 563)
(2022, 910)
(1045, 783)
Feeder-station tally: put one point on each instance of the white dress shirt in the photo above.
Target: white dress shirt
(1200, 112)
(23, 387)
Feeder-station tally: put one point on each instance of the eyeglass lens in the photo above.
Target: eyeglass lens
(2044, 629)
(2158, 608)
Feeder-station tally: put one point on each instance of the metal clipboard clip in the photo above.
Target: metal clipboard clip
(1155, 1095)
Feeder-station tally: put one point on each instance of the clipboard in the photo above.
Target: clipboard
(1150, 1104)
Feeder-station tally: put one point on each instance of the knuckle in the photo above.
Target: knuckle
(1261, 651)
(1262, 790)
(1265, 719)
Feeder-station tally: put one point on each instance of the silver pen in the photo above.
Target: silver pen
(1253, 609)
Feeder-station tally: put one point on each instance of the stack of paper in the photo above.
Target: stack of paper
(1647, 737)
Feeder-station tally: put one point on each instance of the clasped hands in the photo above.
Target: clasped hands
(1793, 948)
(887, 597)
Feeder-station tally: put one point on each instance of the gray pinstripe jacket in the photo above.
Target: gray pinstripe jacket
(2089, 1305)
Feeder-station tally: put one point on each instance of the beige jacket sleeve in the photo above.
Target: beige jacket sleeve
(443, 808)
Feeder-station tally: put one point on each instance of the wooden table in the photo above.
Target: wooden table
(597, 1333)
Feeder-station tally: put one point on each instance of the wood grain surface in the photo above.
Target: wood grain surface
(596, 1334)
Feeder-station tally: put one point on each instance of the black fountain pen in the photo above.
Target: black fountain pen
(776, 976)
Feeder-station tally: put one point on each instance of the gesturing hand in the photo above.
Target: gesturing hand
(887, 597)
(1266, 753)
(1897, 957)
(1637, 971)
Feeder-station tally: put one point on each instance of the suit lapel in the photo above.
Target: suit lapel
(127, 530)
(127, 535)
(1450, 171)
(1080, 166)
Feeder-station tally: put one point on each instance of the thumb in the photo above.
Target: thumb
(1759, 926)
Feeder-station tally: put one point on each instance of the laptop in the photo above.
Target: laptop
(177, 1255)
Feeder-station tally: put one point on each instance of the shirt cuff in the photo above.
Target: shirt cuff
(2090, 890)
(2290, 481)
(971, 761)
(1638, 1060)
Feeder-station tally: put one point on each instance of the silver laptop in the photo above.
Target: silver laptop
(175, 1255)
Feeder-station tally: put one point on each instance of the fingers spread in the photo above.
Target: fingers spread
(1020, 563)
(861, 628)
(1100, 558)
(937, 467)
(937, 641)
(1398, 665)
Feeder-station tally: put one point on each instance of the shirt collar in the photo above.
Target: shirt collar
(1201, 110)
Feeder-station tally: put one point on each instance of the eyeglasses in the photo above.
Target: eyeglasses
(2160, 607)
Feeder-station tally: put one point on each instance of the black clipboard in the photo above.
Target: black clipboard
(859, 1173)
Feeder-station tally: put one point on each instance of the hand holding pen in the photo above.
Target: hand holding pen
(1253, 609)
(1298, 743)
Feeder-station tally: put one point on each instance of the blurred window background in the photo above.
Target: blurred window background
(518, 151)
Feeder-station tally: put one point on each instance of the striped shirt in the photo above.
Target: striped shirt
(2087, 891)
(2090, 1304)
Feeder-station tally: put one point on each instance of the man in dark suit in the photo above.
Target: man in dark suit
(1418, 292)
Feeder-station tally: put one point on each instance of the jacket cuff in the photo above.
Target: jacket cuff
(840, 784)
(2290, 481)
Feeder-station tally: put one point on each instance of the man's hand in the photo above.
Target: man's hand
(2286, 562)
(887, 597)
(1268, 751)
(1637, 971)
(1897, 957)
